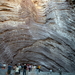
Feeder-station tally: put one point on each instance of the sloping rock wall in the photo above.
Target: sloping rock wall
(39, 32)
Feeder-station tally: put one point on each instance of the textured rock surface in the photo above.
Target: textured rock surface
(38, 32)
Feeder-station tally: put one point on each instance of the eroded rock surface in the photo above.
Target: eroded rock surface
(39, 32)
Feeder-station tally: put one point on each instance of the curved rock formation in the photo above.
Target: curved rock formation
(38, 32)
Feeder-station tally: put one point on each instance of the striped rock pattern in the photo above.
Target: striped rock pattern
(39, 32)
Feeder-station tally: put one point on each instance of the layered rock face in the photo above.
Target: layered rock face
(38, 32)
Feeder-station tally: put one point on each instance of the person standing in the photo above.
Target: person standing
(60, 72)
(19, 66)
(24, 69)
(9, 69)
(30, 68)
(3, 70)
(38, 67)
(50, 71)
(16, 70)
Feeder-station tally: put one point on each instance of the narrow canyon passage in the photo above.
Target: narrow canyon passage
(38, 32)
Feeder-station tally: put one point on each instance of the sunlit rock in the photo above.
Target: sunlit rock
(38, 32)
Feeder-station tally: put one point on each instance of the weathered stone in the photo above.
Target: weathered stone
(39, 32)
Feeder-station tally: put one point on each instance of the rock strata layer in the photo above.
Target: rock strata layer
(38, 32)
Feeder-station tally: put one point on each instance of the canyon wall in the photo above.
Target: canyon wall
(38, 32)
